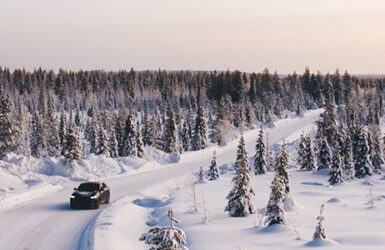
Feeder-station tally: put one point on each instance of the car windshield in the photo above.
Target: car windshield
(88, 187)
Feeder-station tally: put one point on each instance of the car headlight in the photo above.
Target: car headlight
(72, 196)
(94, 197)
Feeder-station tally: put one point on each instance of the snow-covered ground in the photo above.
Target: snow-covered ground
(157, 182)
(351, 221)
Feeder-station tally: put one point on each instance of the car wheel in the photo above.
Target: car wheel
(97, 205)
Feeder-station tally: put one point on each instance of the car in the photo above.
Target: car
(90, 194)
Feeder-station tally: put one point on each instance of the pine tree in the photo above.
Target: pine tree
(170, 134)
(335, 174)
(260, 155)
(102, 147)
(139, 142)
(185, 137)
(375, 153)
(323, 154)
(7, 130)
(21, 131)
(129, 139)
(147, 131)
(301, 151)
(320, 230)
(201, 175)
(62, 131)
(213, 172)
(166, 238)
(199, 140)
(274, 213)
(307, 162)
(240, 197)
(362, 164)
(52, 134)
(37, 142)
(72, 149)
(282, 167)
(113, 145)
(94, 130)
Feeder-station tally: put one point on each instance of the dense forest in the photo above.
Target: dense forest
(46, 113)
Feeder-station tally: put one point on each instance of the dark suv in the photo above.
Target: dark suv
(90, 194)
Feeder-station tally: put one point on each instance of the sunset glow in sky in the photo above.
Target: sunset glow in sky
(249, 35)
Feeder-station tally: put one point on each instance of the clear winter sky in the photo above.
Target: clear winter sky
(249, 35)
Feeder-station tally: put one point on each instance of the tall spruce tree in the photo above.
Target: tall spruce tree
(139, 142)
(274, 213)
(52, 133)
(307, 162)
(102, 147)
(260, 155)
(362, 164)
(170, 134)
(323, 153)
(240, 197)
(72, 148)
(335, 174)
(282, 167)
(37, 140)
(7, 130)
(199, 140)
(129, 139)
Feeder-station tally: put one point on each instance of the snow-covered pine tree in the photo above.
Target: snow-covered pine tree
(119, 124)
(170, 133)
(21, 129)
(269, 155)
(323, 155)
(37, 139)
(260, 155)
(213, 172)
(335, 173)
(62, 131)
(52, 133)
(166, 238)
(240, 197)
(129, 139)
(185, 137)
(147, 130)
(274, 212)
(320, 230)
(72, 148)
(301, 151)
(201, 175)
(308, 163)
(362, 164)
(199, 140)
(7, 130)
(282, 167)
(139, 142)
(94, 130)
(102, 147)
(113, 145)
(327, 125)
(77, 118)
(375, 153)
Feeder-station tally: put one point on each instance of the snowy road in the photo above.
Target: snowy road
(48, 223)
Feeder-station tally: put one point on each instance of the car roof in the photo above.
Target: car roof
(91, 182)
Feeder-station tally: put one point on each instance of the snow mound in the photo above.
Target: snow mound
(321, 243)
(291, 205)
(278, 228)
(334, 200)
(312, 183)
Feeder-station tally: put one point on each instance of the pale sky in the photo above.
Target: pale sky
(249, 35)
